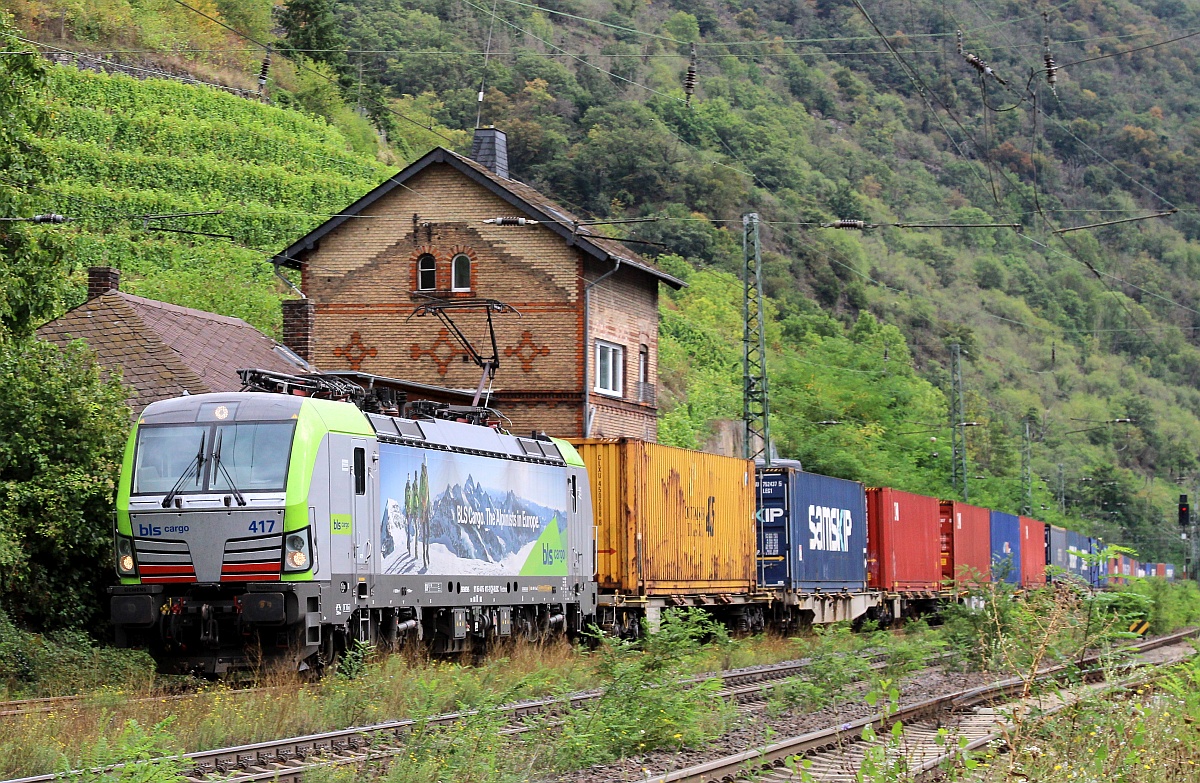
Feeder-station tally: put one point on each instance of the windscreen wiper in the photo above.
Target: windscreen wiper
(196, 463)
(216, 455)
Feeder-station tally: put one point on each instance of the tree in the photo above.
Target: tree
(311, 30)
(63, 430)
(61, 424)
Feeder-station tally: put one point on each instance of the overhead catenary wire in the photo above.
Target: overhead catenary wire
(302, 66)
(1074, 255)
(1115, 222)
(423, 125)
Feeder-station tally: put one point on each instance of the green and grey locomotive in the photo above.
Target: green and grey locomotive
(256, 527)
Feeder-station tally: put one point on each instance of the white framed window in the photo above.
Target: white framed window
(610, 368)
(461, 269)
(426, 272)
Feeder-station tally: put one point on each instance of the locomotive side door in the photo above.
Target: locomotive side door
(361, 464)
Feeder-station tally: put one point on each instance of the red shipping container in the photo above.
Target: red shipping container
(903, 542)
(1160, 569)
(966, 542)
(1033, 552)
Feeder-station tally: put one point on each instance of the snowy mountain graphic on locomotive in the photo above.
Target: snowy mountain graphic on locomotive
(280, 524)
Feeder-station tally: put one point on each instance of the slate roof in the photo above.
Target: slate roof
(164, 350)
(525, 198)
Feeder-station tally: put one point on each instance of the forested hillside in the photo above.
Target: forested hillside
(805, 112)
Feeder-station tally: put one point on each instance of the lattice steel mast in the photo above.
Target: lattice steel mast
(756, 406)
(958, 420)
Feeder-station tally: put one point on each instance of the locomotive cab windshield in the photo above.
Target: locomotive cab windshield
(218, 457)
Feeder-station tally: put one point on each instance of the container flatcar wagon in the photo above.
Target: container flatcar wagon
(966, 542)
(265, 527)
(674, 527)
(813, 545)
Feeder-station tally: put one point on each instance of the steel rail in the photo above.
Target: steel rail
(357, 744)
(765, 759)
(9, 709)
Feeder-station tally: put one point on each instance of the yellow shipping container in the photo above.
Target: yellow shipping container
(670, 521)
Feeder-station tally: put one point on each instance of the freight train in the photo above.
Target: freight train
(261, 527)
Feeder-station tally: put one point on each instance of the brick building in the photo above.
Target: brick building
(580, 358)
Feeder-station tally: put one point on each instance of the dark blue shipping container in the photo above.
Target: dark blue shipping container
(1078, 545)
(1006, 547)
(812, 531)
(1098, 573)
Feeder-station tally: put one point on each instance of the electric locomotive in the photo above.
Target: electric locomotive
(272, 528)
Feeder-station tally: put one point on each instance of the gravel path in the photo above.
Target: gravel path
(754, 727)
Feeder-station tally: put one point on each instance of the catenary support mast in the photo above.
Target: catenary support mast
(756, 407)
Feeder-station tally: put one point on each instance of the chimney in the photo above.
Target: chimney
(489, 148)
(101, 280)
(298, 327)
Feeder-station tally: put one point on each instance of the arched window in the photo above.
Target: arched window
(461, 267)
(426, 272)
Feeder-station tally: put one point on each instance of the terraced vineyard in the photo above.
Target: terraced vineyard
(123, 148)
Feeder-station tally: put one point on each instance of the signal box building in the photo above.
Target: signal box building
(578, 358)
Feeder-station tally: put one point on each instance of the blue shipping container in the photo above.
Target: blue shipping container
(1006, 547)
(812, 531)
(1077, 547)
(1098, 573)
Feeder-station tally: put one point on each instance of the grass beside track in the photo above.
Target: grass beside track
(392, 687)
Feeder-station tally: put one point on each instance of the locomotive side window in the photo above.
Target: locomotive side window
(360, 471)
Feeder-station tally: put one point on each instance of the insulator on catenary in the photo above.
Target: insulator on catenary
(51, 217)
(858, 225)
(511, 221)
(689, 81)
(262, 74)
(975, 62)
(1051, 66)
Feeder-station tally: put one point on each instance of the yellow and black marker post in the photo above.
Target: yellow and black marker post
(1139, 627)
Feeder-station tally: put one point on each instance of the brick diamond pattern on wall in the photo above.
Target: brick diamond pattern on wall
(442, 351)
(355, 352)
(526, 351)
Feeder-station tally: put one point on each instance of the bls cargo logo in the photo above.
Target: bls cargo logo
(829, 528)
(156, 530)
(552, 555)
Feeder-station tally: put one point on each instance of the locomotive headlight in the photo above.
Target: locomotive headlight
(125, 563)
(296, 552)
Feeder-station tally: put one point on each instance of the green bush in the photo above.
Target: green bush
(66, 662)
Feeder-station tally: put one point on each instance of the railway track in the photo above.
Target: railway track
(288, 759)
(932, 729)
(9, 709)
